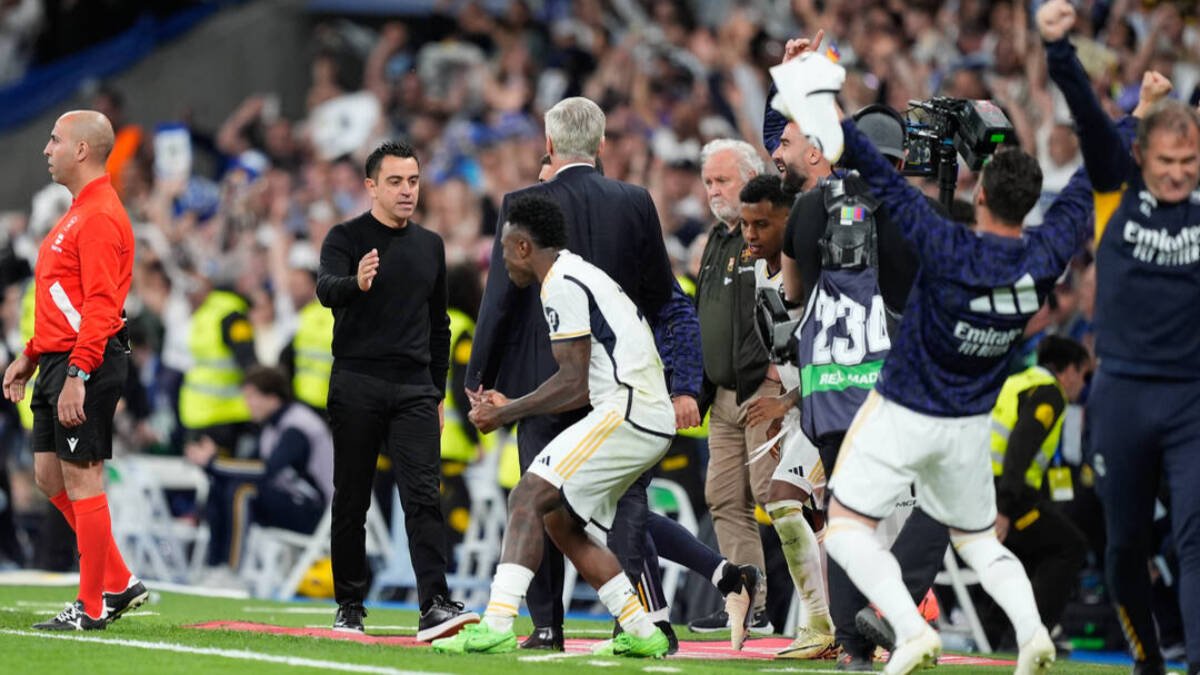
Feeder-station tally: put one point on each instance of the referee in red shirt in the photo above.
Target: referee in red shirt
(84, 268)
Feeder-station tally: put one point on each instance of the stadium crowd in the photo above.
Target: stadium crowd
(230, 220)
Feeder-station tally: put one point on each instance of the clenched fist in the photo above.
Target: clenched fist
(1055, 19)
(1155, 87)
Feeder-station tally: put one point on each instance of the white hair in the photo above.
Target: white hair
(575, 127)
(749, 163)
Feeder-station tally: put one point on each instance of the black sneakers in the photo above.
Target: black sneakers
(719, 620)
(443, 618)
(116, 604)
(73, 618)
(545, 637)
(349, 618)
(875, 628)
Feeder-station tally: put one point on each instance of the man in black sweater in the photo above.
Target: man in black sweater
(384, 277)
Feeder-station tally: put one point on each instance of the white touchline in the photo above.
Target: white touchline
(795, 670)
(370, 628)
(290, 610)
(549, 657)
(237, 654)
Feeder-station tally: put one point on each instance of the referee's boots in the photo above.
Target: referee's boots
(134, 596)
(73, 618)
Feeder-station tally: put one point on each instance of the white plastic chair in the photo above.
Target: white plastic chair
(959, 579)
(152, 540)
(276, 559)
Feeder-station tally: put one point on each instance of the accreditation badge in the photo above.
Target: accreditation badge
(1061, 489)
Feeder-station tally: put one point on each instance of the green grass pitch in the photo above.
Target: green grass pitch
(158, 639)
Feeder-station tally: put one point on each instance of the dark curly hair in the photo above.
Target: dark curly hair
(1059, 353)
(541, 218)
(1012, 182)
(766, 188)
(388, 148)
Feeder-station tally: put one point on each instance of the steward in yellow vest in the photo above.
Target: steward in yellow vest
(1030, 476)
(221, 341)
(312, 355)
(27, 305)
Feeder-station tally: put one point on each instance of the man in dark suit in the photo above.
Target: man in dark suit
(612, 225)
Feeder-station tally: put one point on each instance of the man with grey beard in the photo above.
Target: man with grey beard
(736, 370)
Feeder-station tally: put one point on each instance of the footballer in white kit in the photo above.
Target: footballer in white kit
(607, 358)
(632, 421)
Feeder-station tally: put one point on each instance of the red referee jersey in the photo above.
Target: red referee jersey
(84, 269)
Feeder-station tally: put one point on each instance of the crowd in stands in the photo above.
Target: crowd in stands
(248, 206)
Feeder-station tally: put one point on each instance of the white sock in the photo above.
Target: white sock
(802, 552)
(719, 573)
(508, 587)
(1003, 577)
(618, 596)
(876, 573)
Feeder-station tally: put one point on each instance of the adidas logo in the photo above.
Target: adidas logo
(1018, 299)
(544, 461)
(798, 470)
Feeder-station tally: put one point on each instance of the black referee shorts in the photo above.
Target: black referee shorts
(92, 440)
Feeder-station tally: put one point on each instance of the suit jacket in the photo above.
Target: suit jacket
(612, 225)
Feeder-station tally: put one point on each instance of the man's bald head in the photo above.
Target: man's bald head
(92, 128)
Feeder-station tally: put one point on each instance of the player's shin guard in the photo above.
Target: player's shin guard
(1003, 577)
(802, 551)
(876, 574)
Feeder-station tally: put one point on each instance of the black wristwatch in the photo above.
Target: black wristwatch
(75, 371)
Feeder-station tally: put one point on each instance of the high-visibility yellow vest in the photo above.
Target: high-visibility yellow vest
(313, 346)
(27, 304)
(456, 445)
(701, 431)
(211, 392)
(508, 471)
(1004, 418)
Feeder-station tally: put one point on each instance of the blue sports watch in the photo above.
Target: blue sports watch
(75, 371)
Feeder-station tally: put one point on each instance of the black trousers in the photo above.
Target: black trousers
(919, 548)
(367, 414)
(630, 541)
(1052, 549)
(544, 597)
(1145, 436)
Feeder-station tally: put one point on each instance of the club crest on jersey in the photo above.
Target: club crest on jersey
(746, 256)
(552, 319)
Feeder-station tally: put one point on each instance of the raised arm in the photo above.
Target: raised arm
(1107, 159)
(773, 120)
(928, 232)
(1068, 222)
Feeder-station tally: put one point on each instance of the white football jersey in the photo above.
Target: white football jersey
(580, 301)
